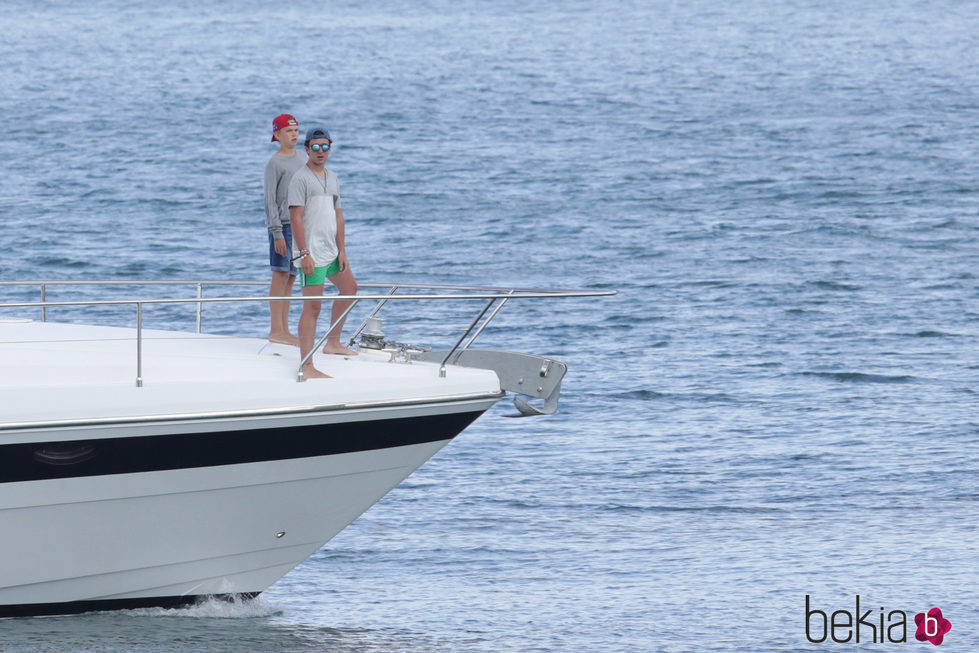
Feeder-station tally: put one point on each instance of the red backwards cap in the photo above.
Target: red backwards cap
(284, 120)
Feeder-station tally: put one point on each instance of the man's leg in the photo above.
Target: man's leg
(307, 330)
(281, 286)
(346, 285)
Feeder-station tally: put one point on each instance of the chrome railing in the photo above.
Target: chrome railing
(441, 292)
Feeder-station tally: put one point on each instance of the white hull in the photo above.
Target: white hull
(187, 532)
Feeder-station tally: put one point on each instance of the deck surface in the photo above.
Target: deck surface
(51, 371)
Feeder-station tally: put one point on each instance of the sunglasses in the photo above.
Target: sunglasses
(317, 147)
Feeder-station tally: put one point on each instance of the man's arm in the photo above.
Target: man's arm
(299, 236)
(272, 219)
(341, 239)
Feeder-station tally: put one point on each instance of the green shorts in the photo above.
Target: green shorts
(319, 275)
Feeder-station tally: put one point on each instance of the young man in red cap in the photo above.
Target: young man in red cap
(278, 173)
(317, 220)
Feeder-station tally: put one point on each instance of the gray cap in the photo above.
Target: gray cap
(317, 132)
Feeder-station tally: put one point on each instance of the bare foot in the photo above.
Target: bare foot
(287, 339)
(339, 349)
(310, 372)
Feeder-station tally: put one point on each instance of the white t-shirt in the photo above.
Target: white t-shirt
(320, 198)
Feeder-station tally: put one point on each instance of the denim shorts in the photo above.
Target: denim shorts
(282, 263)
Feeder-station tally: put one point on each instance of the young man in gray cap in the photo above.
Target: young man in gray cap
(278, 174)
(318, 234)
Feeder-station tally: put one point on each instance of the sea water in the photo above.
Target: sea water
(780, 401)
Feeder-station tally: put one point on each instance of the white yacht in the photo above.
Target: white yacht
(143, 467)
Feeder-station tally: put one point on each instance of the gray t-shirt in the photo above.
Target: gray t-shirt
(278, 173)
(320, 198)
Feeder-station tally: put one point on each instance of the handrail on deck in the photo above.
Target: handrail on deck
(489, 293)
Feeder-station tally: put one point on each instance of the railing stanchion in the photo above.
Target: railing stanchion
(139, 344)
(485, 322)
(44, 298)
(200, 305)
(474, 323)
(319, 343)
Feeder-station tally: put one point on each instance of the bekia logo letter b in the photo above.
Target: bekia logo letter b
(932, 626)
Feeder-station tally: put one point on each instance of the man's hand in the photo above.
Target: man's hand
(280, 246)
(308, 265)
